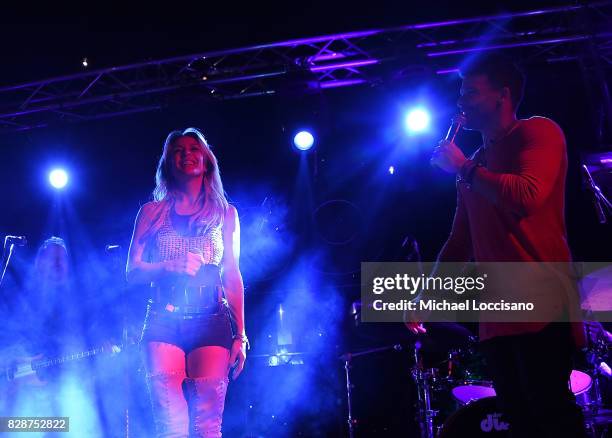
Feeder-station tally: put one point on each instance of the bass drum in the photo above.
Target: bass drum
(480, 418)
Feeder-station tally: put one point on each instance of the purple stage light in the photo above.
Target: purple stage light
(326, 57)
(508, 46)
(341, 83)
(348, 64)
(447, 71)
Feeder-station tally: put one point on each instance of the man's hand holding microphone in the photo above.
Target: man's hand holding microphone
(447, 155)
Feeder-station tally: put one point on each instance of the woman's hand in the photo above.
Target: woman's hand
(188, 264)
(237, 357)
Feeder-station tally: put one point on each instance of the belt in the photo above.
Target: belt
(189, 310)
(206, 295)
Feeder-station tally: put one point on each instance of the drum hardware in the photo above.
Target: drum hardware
(347, 358)
(455, 396)
(478, 396)
(429, 382)
(597, 417)
(440, 378)
(424, 380)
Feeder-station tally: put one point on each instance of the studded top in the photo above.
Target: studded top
(171, 244)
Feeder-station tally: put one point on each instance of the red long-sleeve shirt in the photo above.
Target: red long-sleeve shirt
(513, 210)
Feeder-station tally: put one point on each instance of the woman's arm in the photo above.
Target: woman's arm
(232, 278)
(234, 288)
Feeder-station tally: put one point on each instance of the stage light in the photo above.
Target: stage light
(391, 170)
(417, 120)
(303, 140)
(85, 62)
(58, 178)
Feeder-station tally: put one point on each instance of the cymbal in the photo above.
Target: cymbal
(596, 290)
(440, 337)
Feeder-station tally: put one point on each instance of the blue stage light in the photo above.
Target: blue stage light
(417, 120)
(58, 178)
(303, 140)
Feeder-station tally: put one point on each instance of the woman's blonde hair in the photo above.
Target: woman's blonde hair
(212, 198)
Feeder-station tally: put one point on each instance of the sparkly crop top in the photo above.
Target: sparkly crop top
(174, 240)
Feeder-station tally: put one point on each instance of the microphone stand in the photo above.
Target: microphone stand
(347, 358)
(6, 258)
(599, 199)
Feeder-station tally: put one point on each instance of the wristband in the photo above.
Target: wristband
(466, 173)
(243, 338)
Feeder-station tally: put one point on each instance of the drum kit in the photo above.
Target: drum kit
(477, 414)
(473, 409)
(456, 398)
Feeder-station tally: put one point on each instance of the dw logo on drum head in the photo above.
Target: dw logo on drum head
(493, 422)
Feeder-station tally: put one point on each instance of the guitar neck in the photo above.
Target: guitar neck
(21, 370)
(70, 358)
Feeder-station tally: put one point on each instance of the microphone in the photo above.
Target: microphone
(456, 124)
(596, 192)
(111, 248)
(15, 240)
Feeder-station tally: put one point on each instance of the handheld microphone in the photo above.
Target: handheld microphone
(457, 123)
(15, 240)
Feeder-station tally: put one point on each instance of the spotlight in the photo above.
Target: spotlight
(58, 178)
(303, 140)
(391, 170)
(85, 63)
(417, 120)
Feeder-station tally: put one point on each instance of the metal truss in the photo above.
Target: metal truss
(309, 65)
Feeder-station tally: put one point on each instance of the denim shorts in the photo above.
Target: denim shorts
(188, 331)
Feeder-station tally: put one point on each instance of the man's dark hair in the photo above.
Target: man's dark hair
(501, 72)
